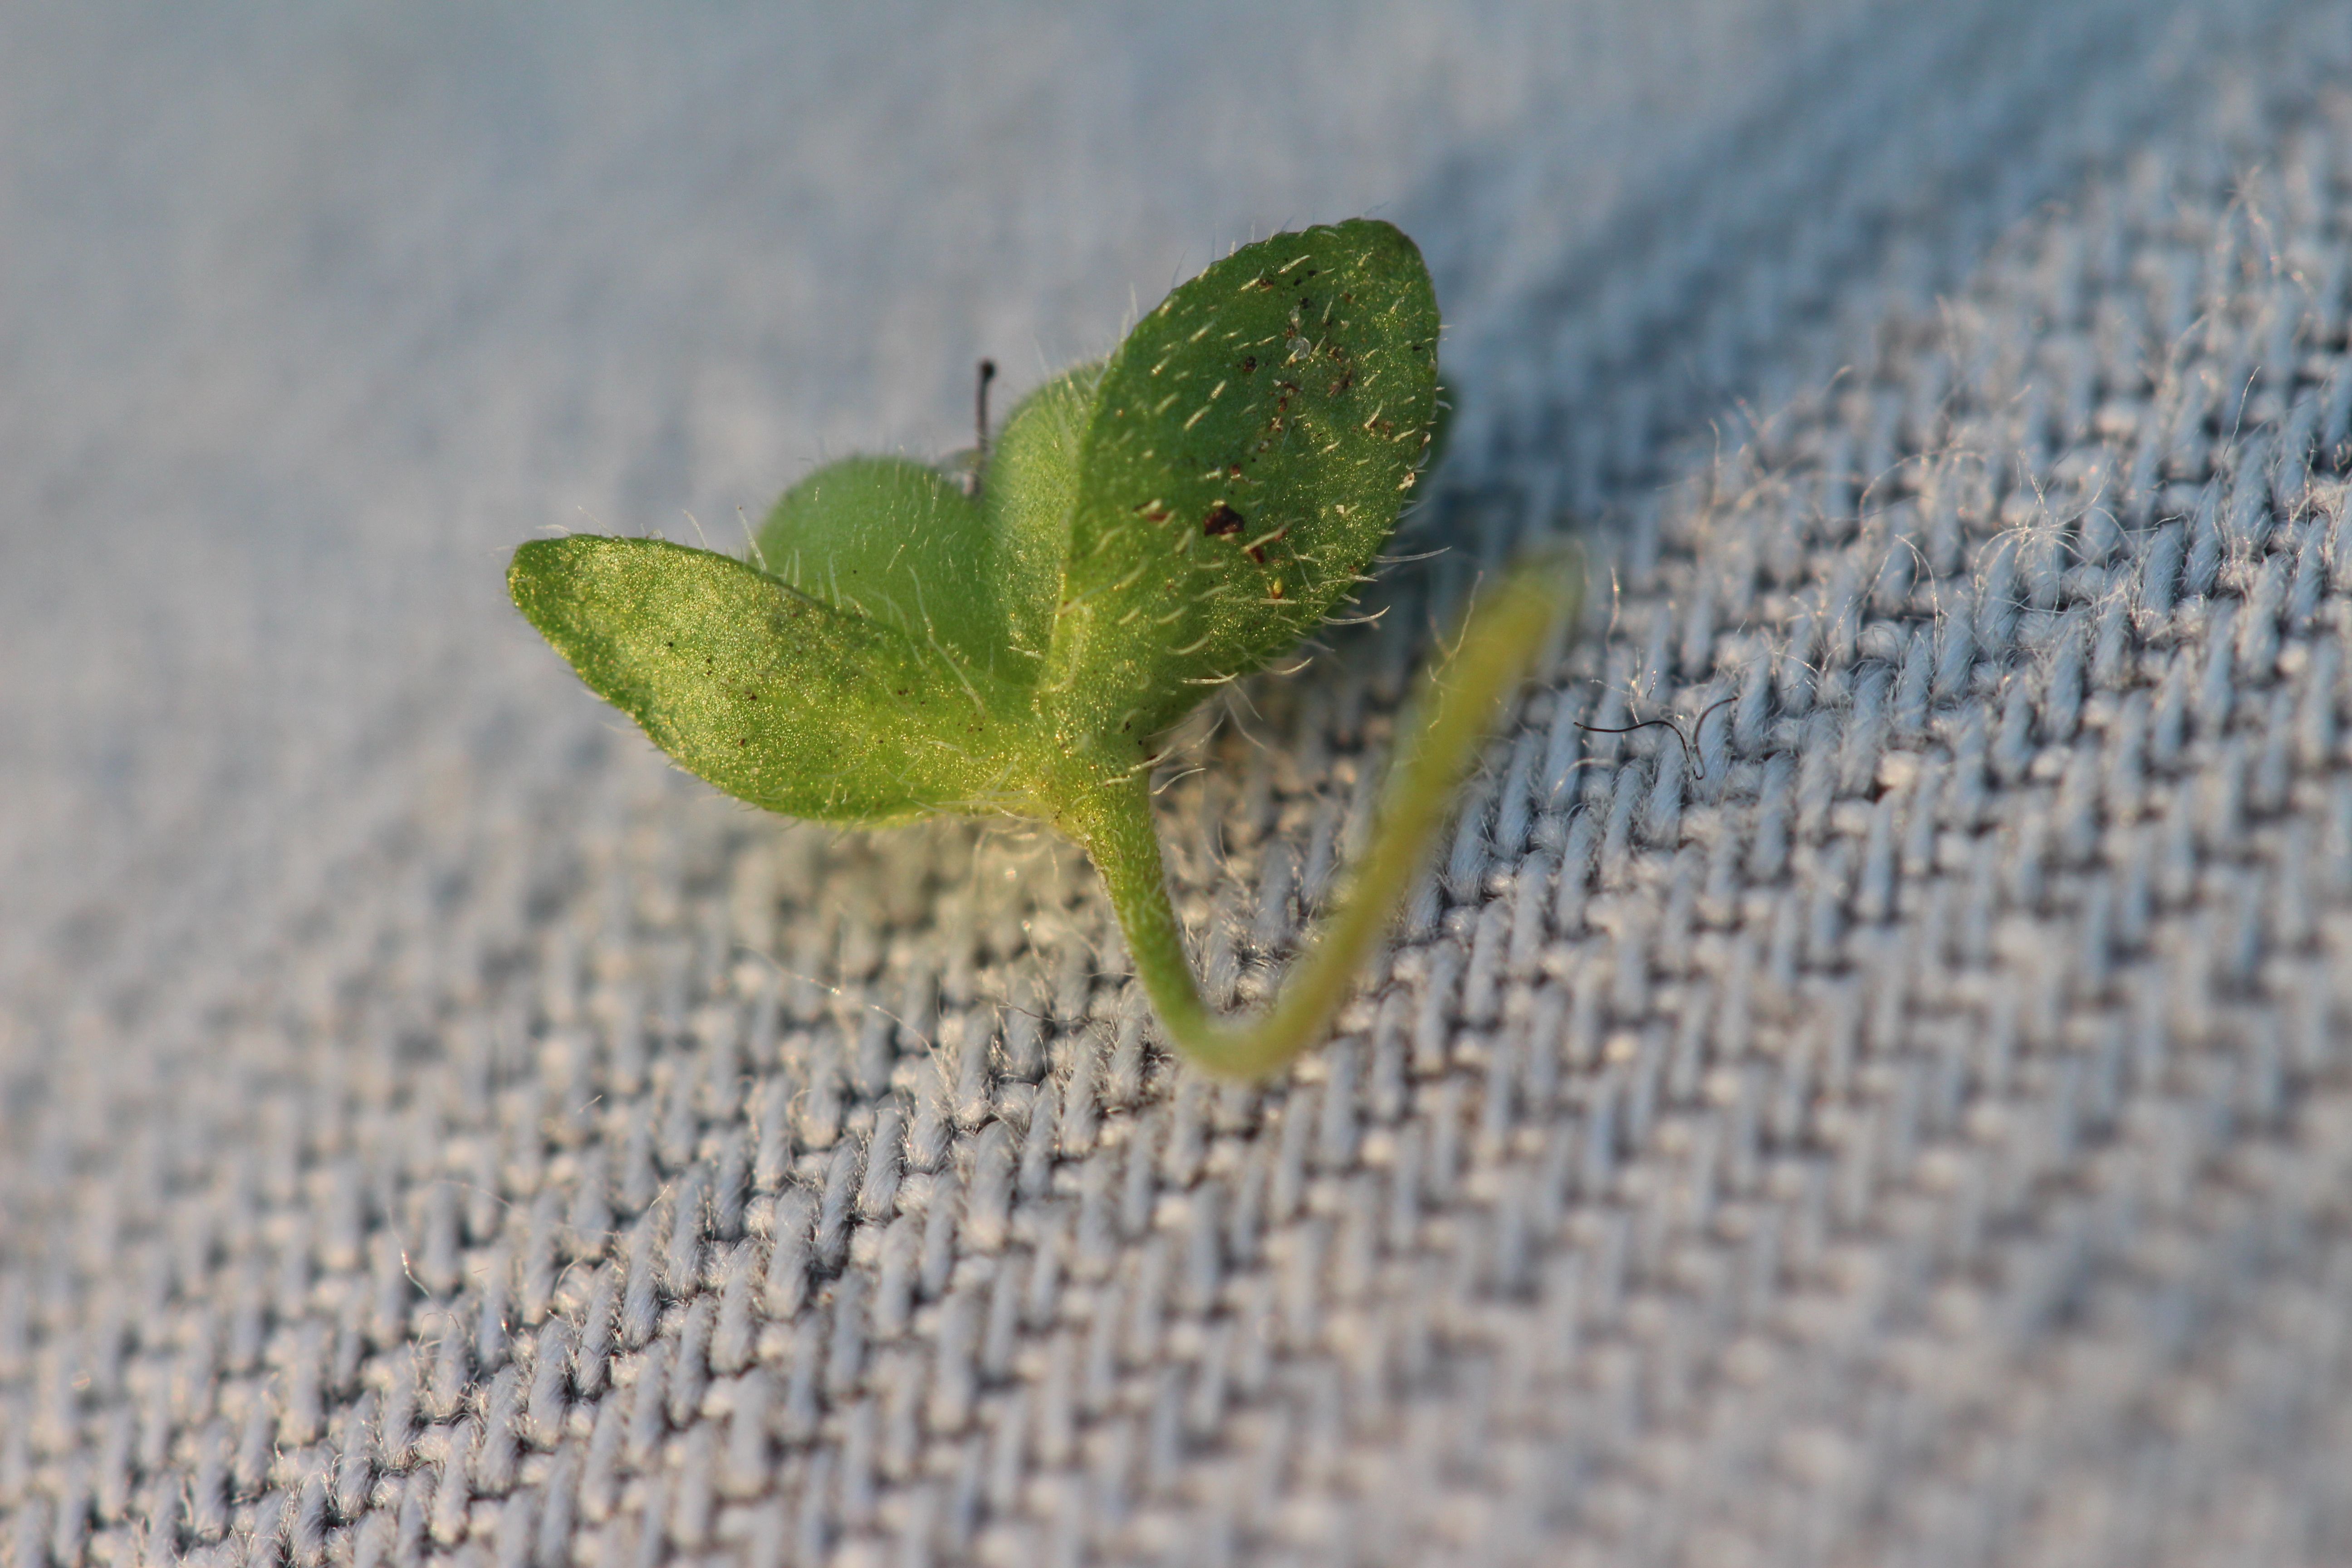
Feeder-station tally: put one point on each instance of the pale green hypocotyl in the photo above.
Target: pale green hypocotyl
(1146, 529)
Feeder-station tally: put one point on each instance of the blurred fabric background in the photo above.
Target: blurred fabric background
(1914, 1125)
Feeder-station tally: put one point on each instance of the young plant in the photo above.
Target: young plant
(902, 642)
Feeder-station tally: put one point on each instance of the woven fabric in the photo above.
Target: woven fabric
(1899, 1114)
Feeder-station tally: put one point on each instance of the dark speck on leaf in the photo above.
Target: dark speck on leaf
(1222, 520)
(1249, 364)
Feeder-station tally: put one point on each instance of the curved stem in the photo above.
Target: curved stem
(1453, 715)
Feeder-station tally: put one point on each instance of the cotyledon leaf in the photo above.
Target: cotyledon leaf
(769, 694)
(1031, 497)
(1250, 445)
(899, 542)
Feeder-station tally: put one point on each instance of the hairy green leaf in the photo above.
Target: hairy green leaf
(775, 697)
(1251, 442)
(897, 543)
(1031, 496)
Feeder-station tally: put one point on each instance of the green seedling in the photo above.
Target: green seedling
(1012, 636)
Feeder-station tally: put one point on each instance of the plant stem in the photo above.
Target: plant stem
(1453, 715)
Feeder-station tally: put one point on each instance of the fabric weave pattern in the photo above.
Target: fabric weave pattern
(1902, 1118)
